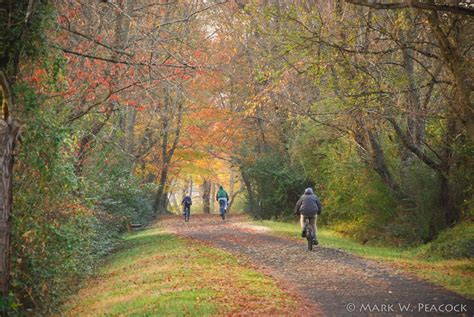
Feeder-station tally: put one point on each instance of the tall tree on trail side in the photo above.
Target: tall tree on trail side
(20, 23)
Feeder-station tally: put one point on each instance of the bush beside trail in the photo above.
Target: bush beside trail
(453, 243)
(64, 224)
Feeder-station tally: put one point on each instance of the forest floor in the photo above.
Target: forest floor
(335, 282)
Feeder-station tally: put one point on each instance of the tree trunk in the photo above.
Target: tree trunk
(191, 187)
(231, 183)
(449, 190)
(379, 163)
(212, 199)
(234, 195)
(131, 120)
(8, 136)
(161, 195)
(206, 193)
(415, 121)
(167, 139)
(250, 194)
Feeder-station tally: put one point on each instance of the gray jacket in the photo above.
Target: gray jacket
(309, 204)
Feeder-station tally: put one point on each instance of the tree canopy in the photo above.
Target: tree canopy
(124, 106)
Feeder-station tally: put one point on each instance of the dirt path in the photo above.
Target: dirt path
(337, 283)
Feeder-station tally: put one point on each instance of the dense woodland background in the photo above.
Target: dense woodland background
(125, 105)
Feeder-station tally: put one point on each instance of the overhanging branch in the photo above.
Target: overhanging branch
(460, 8)
(116, 61)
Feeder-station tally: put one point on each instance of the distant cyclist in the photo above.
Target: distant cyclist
(309, 206)
(223, 200)
(186, 203)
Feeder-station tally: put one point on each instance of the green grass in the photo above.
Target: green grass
(454, 274)
(157, 274)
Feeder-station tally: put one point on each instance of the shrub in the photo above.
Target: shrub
(276, 184)
(64, 224)
(453, 243)
(53, 251)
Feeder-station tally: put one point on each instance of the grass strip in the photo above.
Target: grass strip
(158, 274)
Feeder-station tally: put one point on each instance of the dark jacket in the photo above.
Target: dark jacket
(187, 201)
(309, 204)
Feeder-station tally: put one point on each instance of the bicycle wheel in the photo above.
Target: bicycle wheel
(309, 235)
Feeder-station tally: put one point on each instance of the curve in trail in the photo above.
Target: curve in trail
(338, 283)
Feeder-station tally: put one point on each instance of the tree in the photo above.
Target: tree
(19, 21)
(379, 78)
(459, 135)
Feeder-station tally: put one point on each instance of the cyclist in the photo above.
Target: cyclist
(223, 199)
(309, 206)
(186, 202)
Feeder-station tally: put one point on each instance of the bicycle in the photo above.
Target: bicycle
(310, 236)
(187, 212)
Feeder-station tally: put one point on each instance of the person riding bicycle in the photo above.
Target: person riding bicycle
(186, 203)
(309, 206)
(223, 199)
